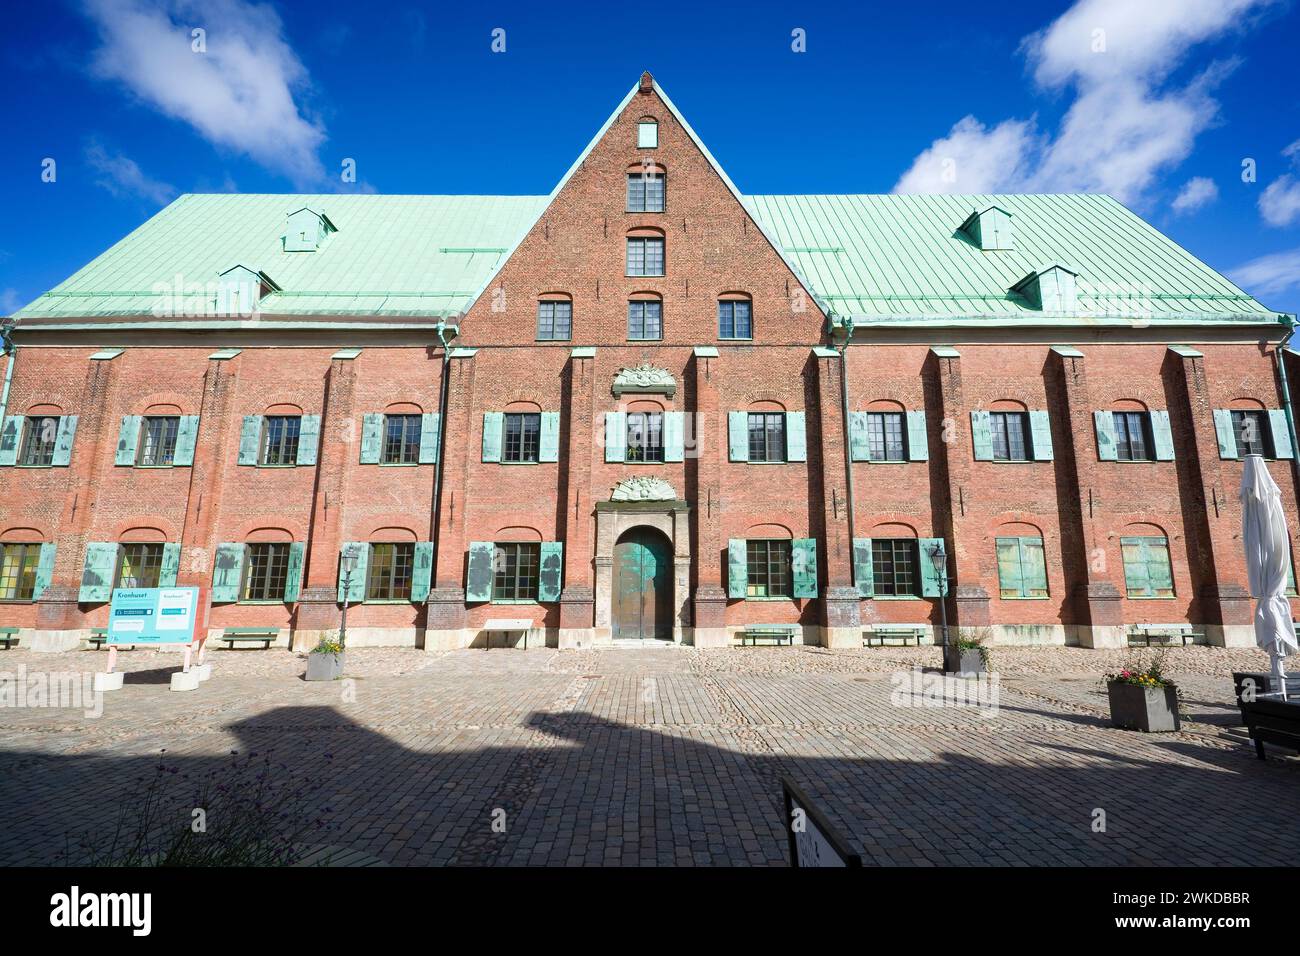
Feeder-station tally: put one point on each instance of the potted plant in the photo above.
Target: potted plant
(1142, 698)
(325, 662)
(968, 653)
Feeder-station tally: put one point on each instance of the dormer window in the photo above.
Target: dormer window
(647, 134)
(1050, 289)
(306, 229)
(990, 229)
(239, 289)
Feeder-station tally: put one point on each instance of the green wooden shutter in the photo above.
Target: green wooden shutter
(737, 568)
(45, 569)
(859, 447)
(1010, 580)
(980, 436)
(1033, 567)
(171, 564)
(293, 576)
(803, 567)
(918, 439)
(863, 570)
(796, 440)
(187, 433)
(127, 436)
(1040, 429)
(97, 572)
(738, 436)
(63, 440)
(356, 592)
(1103, 421)
(228, 572)
(1136, 580)
(551, 571)
(674, 436)
(422, 572)
(615, 436)
(9, 434)
(372, 437)
(250, 439)
(430, 439)
(1224, 431)
(1162, 435)
(931, 580)
(1281, 434)
(308, 439)
(548, 448)
(493, 425)
(482, 570)
(1159, 572)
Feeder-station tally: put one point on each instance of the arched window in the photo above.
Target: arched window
(645, 187)
(645, 252)
(735, 316)
(647, 133)
(645, 317)
(1022, 563)
(554, 317)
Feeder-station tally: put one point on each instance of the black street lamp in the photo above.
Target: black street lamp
(939, 559)
(349, 562)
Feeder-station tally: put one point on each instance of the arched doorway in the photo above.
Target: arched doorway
(643, 586)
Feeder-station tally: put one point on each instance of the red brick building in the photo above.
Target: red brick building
(644, 406)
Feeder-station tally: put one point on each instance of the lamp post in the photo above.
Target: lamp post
(349, 563)
(939, 559)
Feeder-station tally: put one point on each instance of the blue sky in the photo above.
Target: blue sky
(1159, 103)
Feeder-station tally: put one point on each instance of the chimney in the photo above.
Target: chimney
(647, 82)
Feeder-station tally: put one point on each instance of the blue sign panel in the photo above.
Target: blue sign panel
(152, 615)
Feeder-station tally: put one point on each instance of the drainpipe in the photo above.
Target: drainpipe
(848, 445)
(11, 350)
(442, 329)
(1286, 398)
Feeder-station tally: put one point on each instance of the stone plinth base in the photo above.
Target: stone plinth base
(1230, 635)
(1102, 636)
(575, 638)
(711, 637)
(55, 642)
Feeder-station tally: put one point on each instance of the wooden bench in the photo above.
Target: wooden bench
(8, 636)
(264, 634)
(768, 632)
(99, 637)
(898, 632)
(1164, 633)
(1274, 722)
(505, 625)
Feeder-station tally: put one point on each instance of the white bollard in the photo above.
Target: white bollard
(105, 682)
(183, 680)
(203, 670)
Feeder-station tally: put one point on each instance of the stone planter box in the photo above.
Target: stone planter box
(1150, 709)
(321, 666)
(956, 661)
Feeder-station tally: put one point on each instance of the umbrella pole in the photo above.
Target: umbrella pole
(1279, 672)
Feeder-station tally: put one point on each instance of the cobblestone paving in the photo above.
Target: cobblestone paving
(670, 756)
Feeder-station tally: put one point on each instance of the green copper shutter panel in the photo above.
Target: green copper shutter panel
(356, 592)
(187, 433)
(430, 424)
(1103, 422)
(63, 440)
(674, 436)
(372, 437)
(227, 572)
(1009, 576)
(478, 579)
(737, 568)
(45, 569)
(1040, 428)
(803, 567)
(293, 576)
(931, 580)
(863, 571)
(13, 426)
(1224, 432)
(551, 570)
(1281, 436)
(918, 439)
(127, 436)
(1134, 553)
(97, 572)
(738, 436)
(493, 424)
(548, 447)
(1033, 567)
(422, 572)
(171, 563)
(1162, 435)
(980, 436)
(796, 440)
(308, 439)
(1156, 552)
(250, 439)
(615, 436)
(858, 445)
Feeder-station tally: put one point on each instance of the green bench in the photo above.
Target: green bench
(768, 632)
(99, 636)
(893, 632)
(1164, 634)
(8, 636)
(264, 634)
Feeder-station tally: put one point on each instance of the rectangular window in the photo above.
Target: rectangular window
(1253, 434)
(1133, 436)
(18, 563)
(645, 192)
(401, 440)
(647, 135)
(280, 439)
(515, 577)
(894, 570)
(522, 436)
(1008, 430)
(645, 320)
(554, 321)
(767, 436)
(885, 440)
(265, 572)
(645, 256)
(38, 440)
(1022, 568)
(645, 436)
(158, 441)
(768, 563)
(1147, 572)
(139, 566)
(734, 320)
(388, 577)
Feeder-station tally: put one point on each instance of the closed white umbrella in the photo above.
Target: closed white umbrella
(1268, 556)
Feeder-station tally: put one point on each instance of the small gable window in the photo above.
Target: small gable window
(306, 229)
(735, 319)
(990, 228)
(554, 320)
(645, 190)
(645, 255)
(647, 134)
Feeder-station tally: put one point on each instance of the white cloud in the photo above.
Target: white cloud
(973, 159)
(239, 94)
(1196, 192)
(122, 177)
(1269, 275)
(9, 303)
(1280, 203)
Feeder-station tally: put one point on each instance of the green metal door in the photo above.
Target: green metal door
(643, 586)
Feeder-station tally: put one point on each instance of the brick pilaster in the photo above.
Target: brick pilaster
(577, 600)
(841, 620)
(704, 487)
